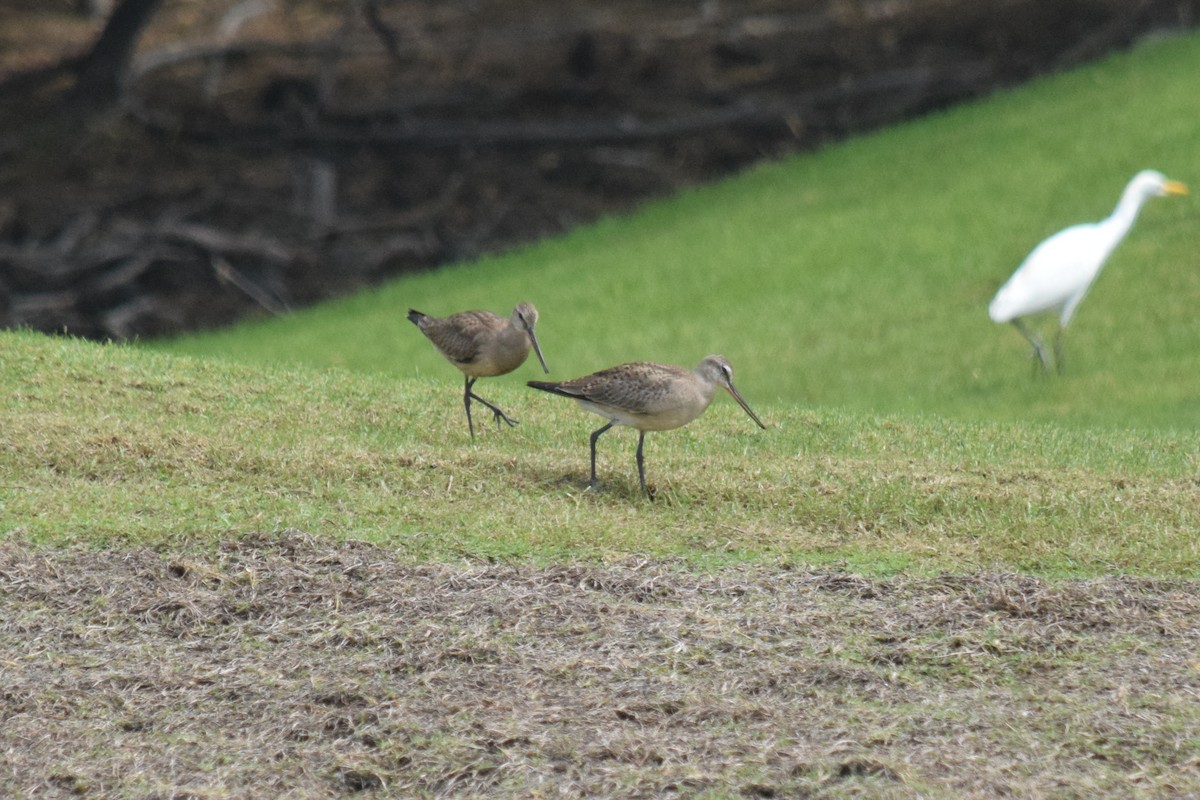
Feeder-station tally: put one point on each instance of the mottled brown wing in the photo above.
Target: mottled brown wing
(639, 387)
(459, 337)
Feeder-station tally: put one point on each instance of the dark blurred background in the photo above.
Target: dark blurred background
(169, 165)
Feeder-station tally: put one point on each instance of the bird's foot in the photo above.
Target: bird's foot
(500, 415)
(1041, 364)
(496, 412)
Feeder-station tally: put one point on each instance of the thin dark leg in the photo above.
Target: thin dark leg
(467, 403)
(1038, 348)
(470, 395)
(1058, 352)
(500, 415)
(642, 465)
(595, 436)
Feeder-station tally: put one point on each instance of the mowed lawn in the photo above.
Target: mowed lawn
(857, 278)
(219, 579)
(114, 445)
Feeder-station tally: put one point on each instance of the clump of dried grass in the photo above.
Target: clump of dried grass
(290, 665)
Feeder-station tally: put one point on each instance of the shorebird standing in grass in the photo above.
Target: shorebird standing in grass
(483, 345)
(648, 397)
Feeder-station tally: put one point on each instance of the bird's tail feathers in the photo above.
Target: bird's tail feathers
(549, 386)
(415, 317)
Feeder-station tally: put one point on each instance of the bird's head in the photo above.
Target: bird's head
(1152, 183)
(717, 370)
(525, 318)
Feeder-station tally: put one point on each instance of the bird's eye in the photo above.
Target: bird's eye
(728, 370)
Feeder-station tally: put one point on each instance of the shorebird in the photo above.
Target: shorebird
(483, 345)
(1059, 271)
(648, 397)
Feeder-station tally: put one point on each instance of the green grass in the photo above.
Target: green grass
(849, 289)
(857, 278)
(114, 445)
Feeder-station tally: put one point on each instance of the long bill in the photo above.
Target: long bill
(744, 405)
(537, 348)
(1175, 187)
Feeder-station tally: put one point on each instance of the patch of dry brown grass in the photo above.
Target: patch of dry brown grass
(286, 665)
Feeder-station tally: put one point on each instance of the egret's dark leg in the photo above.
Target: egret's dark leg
(500, 415)
(595, 436)
(642, 465)
(1058, 351)
(1038, 348)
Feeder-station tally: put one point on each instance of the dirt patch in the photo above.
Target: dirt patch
(286, 665)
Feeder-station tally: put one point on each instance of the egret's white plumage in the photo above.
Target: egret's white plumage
(1059, 271)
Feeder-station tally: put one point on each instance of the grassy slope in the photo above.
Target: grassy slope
(858, 277)
(117, 445)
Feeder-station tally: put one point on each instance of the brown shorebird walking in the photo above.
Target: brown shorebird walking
(648, 397)
(483, 345)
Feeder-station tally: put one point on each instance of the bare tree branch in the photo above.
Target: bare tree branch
(917, 82)
(387, 37)
(100, 74)
(231, 23)
(227, 274)
(218, 241)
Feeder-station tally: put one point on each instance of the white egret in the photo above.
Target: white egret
(1059, 271)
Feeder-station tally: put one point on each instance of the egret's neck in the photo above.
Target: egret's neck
(1126, 212)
